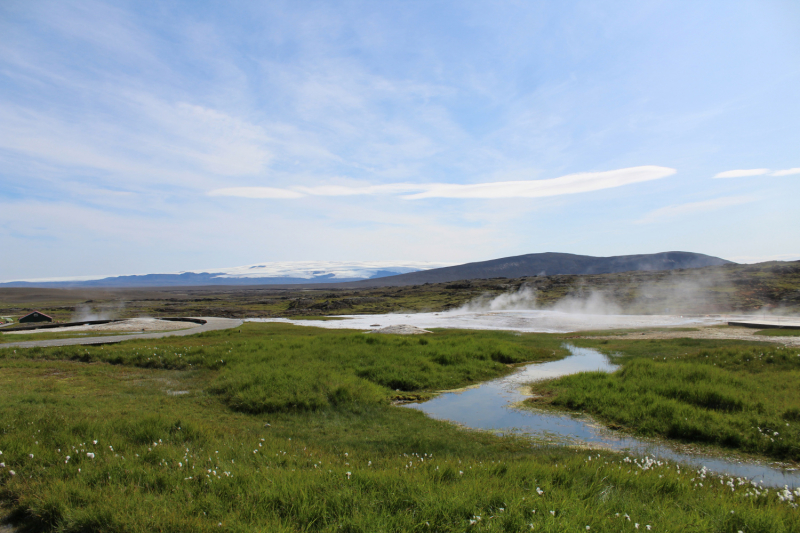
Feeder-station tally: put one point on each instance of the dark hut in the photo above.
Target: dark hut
(35, 316)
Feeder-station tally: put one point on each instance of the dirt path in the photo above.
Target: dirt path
(706, 332)
(133, 325)
(212, 324)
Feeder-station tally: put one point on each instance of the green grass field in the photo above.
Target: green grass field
(736, 395)
(281, 428)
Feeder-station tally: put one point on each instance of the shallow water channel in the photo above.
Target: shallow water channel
(489, 406)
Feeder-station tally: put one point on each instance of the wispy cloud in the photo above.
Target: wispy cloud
(569, 184)
(743, 173)
(787, 172)
(672, 211)
(257, 192)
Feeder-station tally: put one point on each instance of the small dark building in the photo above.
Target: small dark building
(35, 316)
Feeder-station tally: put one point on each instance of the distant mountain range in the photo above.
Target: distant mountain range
(549, 264)
(384, 273)
(274, 273)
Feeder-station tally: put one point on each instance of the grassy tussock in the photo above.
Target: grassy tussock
(276, 367)
(743, 397)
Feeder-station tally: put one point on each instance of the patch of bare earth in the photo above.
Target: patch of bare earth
(705, 332)
(402, 329)
(133, 325)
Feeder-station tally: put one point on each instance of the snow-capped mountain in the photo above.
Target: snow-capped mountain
(329, 270)
(273, 273)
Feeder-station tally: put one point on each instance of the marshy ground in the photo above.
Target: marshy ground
(284, 428)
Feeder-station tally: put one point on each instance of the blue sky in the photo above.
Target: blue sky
(141, 137)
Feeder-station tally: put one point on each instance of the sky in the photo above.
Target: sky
(152, 137)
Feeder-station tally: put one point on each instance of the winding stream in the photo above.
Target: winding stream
(489, 406)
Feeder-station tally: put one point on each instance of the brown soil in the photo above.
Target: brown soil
(133, 325)
(706, 332)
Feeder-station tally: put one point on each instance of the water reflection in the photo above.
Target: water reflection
(489, 407)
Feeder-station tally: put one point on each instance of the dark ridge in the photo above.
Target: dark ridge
(549, 264)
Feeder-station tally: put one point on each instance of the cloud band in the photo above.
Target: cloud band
(569, 184)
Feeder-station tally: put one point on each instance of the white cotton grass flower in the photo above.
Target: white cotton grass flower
(30, 455)
(90, 455)
(12, 472)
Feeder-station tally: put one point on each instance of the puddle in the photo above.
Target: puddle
(489, 406)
